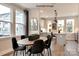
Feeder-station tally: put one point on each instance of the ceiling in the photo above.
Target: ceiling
(63, 9)
(33, 5)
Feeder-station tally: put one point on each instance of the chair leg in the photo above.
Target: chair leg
(42, 54)
(30, 54)
(38, 54)
(27, 52)
(44, 51)
(14, 53)
(20, 53)
(33, 54)
(50, 52)
(23, 53)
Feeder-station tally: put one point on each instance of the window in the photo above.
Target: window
(20, 23)
(5, 21)
(60, 25)
(70, 25)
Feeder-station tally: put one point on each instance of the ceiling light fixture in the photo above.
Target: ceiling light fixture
(44, 6)
(55, 16)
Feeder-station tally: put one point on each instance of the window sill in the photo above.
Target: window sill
(5, 36)
(8, 37)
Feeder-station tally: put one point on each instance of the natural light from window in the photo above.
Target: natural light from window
(5, 21)
(61, 25)
(70, 25)
(20, 23)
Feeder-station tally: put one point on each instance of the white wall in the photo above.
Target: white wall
(5, 43)
(34, 13)
(64, 11)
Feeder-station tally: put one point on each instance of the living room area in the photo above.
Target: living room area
(39, 21)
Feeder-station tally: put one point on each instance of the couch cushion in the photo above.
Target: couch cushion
(34, 37)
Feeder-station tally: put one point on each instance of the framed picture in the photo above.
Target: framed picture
(54, 26)
(34, 24)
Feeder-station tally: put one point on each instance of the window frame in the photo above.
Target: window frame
(10, 22)
(23, 24)
(72, 25)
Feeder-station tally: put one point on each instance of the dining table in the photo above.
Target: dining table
(27, 42)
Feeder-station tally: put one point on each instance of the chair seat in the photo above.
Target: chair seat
(23, 47)
(46, 42)
(46, 46)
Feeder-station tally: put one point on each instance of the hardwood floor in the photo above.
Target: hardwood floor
(59, 50)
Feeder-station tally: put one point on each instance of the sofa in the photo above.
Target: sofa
(33, 37)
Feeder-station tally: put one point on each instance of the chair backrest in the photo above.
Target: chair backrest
(23, 36)
(14, 43)
(52, 34)
(38, 46)
(48, 37)
(48, 41)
